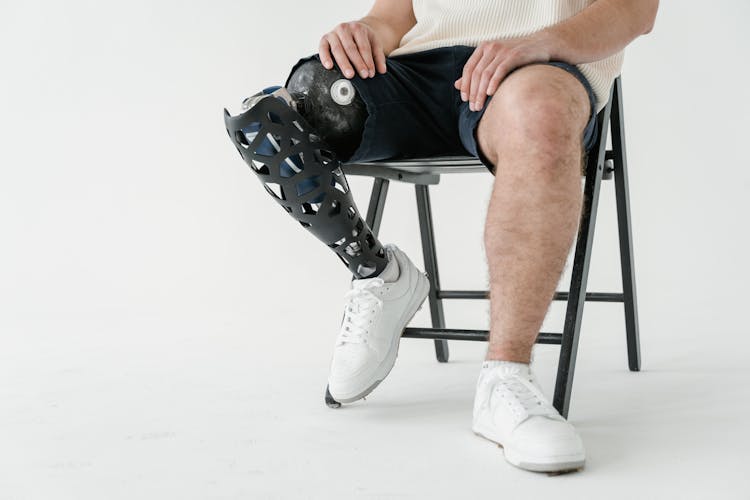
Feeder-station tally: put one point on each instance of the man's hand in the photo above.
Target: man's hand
(491, 62)
(353, 45)
(588, 36)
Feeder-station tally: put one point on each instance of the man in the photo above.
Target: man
(516, 83)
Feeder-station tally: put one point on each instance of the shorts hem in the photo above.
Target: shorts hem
(588, 135)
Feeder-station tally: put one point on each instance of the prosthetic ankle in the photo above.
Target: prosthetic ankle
(299, 169)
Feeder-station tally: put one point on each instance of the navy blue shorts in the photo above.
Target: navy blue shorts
(416, 112)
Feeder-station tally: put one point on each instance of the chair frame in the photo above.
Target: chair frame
(602, 164)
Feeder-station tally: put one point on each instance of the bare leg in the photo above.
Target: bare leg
(532, 133)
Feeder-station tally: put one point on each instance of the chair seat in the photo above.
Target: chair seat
(434, 165)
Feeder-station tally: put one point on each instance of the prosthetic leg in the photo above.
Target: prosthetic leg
(298, 168)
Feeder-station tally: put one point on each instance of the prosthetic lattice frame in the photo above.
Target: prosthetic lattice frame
(304, 176)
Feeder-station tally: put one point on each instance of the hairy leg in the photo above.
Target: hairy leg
(532, 133)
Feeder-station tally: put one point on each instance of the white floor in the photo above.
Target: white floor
(207, 409)
(165, 329)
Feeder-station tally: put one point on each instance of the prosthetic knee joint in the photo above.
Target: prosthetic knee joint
(290, 138)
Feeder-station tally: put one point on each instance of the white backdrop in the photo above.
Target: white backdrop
(165, 328)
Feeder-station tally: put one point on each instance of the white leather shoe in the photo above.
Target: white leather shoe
(376, 312)
(510, 410)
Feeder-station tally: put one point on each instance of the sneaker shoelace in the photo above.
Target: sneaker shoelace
(523, 396)
(361, 306)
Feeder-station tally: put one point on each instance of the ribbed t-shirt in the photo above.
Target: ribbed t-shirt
(442, 23)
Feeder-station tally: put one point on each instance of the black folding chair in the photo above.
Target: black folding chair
(601, 164)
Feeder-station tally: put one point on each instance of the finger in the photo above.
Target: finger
(466, 74)
(476, 78)
(497, 78)
(377, 49)
(365, 50)
(457, 83)
(487, 74)
(340, 55)
(324, 51)
(500, 73)
(347, 41)
(502, 70)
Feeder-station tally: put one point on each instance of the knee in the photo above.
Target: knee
(540, 116)
(331, 104)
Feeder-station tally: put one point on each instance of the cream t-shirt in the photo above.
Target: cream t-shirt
(442, 23)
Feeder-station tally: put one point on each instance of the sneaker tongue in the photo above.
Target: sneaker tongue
(362, 283)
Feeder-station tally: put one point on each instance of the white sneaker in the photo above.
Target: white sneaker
(376, 312)
(510, 410)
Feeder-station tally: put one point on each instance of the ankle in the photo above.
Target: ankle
(494, 363)
(513, 353)
(510, 357)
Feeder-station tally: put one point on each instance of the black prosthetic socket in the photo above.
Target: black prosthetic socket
(331, 105)
(304, 176)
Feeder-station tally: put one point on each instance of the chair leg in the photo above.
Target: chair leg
(579, 279)
(622, 196)
(424, 212)
(377, 204)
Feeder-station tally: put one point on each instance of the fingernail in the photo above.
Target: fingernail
(471, 106)
(349, 73)
(372, 73)
(463, 96)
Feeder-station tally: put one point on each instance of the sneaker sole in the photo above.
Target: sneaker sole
(390, 360)
(560, 463)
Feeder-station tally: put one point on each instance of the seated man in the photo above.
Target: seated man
(517, 84)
